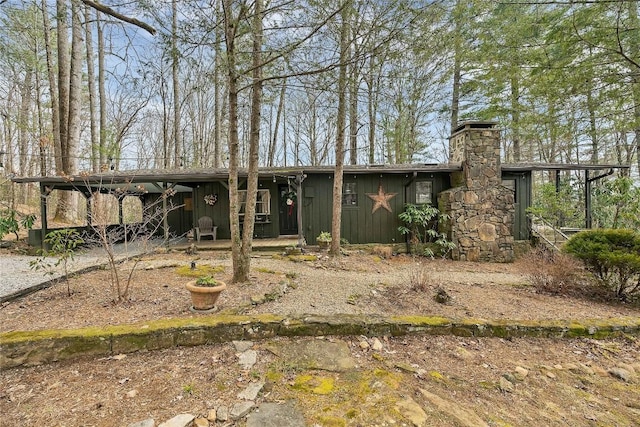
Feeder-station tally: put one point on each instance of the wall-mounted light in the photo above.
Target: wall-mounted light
(274, 178)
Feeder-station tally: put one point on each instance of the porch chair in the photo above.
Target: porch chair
(206, 228)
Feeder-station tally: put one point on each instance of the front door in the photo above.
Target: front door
(288, 210)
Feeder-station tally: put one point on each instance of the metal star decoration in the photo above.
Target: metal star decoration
(381, 199)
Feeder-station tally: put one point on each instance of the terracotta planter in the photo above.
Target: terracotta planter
(324, 244)
(204, 297)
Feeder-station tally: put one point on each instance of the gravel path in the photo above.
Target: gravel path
(17, 277)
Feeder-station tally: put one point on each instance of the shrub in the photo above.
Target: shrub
(550, 272)
(613, 256)
(420, 278)
(421, 224)
(11, 221)
(64, 244)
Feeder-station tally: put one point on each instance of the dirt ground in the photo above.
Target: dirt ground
(567, 382)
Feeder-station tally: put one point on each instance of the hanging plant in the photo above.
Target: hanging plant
(211, 199)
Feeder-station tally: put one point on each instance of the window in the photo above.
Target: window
(263, 204)
(349, 194)
(424, 192)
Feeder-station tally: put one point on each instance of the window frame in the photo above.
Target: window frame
(418, 196)
(263, 204)
(352, 196)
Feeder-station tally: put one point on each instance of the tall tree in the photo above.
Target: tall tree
(336, 212)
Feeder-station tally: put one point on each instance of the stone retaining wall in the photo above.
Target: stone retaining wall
(27, 348)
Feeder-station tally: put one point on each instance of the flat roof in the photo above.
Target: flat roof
(155, 177)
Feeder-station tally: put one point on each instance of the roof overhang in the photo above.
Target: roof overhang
(152, 181)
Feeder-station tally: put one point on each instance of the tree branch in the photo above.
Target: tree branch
(107, 10)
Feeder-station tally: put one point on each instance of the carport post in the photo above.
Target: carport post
(44, 195)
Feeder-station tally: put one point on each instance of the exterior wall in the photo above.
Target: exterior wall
(220, 211)
(359, 224)
(522, 200)
(481, 209)
(180, 219)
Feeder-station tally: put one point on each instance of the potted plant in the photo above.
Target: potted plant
(324, 239)
(205, 292)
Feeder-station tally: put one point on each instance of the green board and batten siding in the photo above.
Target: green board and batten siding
(220, 211)
(359, 224)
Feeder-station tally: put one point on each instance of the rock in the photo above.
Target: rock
(276, 415)
(572, 367)
(247, 359)
(222, 414)
(251, 392)
(201, 422)
(376, 344)
(364, 345)
(242, 346)
(509, 377)
(240, 409)
(442, 296)
(586, 369)
(406, 367)
(551, 375)
(521, 373)
(211, 416)
(627, 367)
(464, 417)
(316, 354)
(182, 420)
(463, 353)
(600, 371)
(620, 373)
(505, 385)
(149, 422)
(131, 394)
(412, 411)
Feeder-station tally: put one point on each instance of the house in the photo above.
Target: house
(486, 200)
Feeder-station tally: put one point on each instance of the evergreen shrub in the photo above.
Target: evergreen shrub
(613, 256)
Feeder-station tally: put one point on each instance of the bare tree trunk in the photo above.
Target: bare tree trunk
(65, 211)
(515, 117)
(91, 84)
(353, 115)
(593, 127)
(336, 221)
(234, 205)
(53, 86)
(457, 54)
(64, 65)
(102, 97)
(177, 137)
(23, 122)
(217, 110)
(372, 106)
(75, 89)
(69, 199)
(241, 271)
(274, 141)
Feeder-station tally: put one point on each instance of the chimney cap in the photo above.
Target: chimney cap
(475, 124)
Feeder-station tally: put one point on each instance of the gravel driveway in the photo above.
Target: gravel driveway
(17, 278)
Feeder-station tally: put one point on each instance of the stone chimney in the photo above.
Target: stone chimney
(481, 209)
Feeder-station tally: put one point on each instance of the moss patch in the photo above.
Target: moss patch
(199, 271)
(314, 384)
